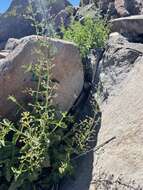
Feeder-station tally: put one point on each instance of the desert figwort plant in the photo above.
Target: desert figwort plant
(87, 35)
(37, 150)
(41, 139)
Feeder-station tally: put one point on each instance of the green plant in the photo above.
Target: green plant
(88, 35)
(41, 139)
(37, 150)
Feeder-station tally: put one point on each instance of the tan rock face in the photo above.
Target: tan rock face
(67, 70)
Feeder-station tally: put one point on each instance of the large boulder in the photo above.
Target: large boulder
(118, 163)
(16, 22)
(131, 26)
(67, 72)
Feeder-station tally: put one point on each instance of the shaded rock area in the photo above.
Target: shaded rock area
(131, 26)
(67, 72)
(16, 22)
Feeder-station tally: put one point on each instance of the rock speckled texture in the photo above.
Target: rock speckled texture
(67, 71)
(122, 117)
(118, 59)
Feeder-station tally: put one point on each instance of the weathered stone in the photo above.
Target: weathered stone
(119, 162)
(131, 26)
(117, 61)
(3, 54)
(11, 44)
(68, 72)
(121, 8)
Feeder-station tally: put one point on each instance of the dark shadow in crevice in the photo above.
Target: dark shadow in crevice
(84, 164)
(85, 106)
(134, 38)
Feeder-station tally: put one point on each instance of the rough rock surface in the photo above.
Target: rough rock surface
(119, 162)
(3, 54)
(131, 26)
(68, 72)
(122, 117)
(117, 61)
(15, 24)
(11, 44)
(117, 8)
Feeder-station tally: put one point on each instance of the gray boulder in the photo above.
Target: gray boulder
(131, 26)
(118, 164)
(128, 7)
(118, 59)
(11, 44)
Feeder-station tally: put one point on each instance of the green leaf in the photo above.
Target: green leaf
(12, 98)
